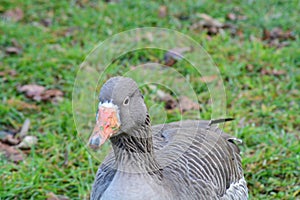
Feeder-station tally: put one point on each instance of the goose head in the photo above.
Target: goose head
(121, 110)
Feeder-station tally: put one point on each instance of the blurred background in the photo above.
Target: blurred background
(255, 45)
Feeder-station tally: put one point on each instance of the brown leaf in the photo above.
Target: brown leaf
(175, 54)
(8, 73)
(272, 72)
(249, 67)
(38, 93)
(67, 32)
(11, 153)
(46, 22)
(52, 196)
(277, 37)
(278, 33)
(208, 79)
(32, 91)
(162, 11)
(21, 105)
(9, 139)
(53, 95)
(13, 50)
(15, 14)
(231, 16)
(211, 25)
(209, 21)
(28, 142)
(25, 128)
(170, 102)
(185, 104)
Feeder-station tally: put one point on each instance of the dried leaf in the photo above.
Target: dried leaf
(170, 102)
(162, 11)
(38, 93)
(15, 14)
(11, 153)
(28, 142)
(46, 22)
(8, 73)
(32, 91)
(9, 139)
(53, 95)
(211, 25)
(231, 16)
(175, 54)
(52, 196)
(21, 105)
(13, 50)
(185, 104)
(272, 72)
(67, 32)
(25, 128)
(234, 17)
(277, 37)
(249, 67)
(208, 79)
(210, 22)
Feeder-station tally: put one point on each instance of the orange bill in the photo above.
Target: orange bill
(107, 124)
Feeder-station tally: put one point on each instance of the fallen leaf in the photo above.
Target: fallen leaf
(8, 73)
(28, 142)
(53, 95)
(234, 17)
(38, 93)
(175, 54)
(170, 102)
(67, 32)
(11, 153)
(278, 33)
(52, 196)
(15, 14)
(249, 67)
(209, 21)
(32, 91)
(208, 79)
(21, 105)
(13, 50)
(46, 22)
(25, 128)
(186, 104)
(162, 11)
(211, 25)
(9, 139)
(231, 16)
(272, 72)
(277, 37)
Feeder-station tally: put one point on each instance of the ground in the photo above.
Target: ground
(44, 43)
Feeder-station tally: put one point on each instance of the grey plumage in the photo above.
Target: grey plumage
(180, 160)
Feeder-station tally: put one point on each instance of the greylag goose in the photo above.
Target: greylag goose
(181, 160)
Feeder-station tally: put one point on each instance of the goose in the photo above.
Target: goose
(189, 159)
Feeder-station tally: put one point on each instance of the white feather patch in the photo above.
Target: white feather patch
(109, 105)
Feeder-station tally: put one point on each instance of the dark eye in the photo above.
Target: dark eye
(126, 101)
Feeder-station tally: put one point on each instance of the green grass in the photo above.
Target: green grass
(266, 106)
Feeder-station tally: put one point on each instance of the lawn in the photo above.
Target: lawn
(44, 43)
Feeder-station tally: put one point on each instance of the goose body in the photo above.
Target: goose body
(181, 160)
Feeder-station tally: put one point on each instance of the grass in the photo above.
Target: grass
(266, 106)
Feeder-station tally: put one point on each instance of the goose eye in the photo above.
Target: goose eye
(126, 101)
